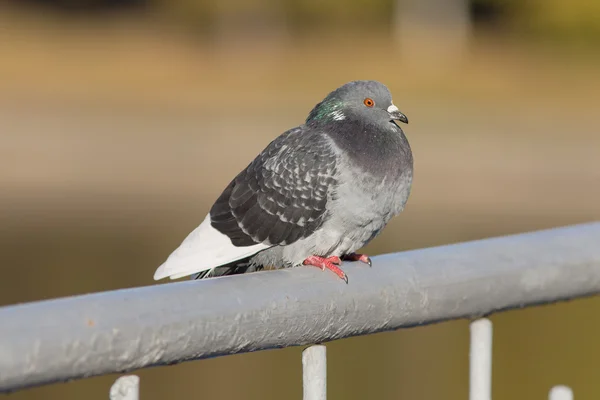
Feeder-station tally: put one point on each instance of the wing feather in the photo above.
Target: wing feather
(278, 199)
(285, 192)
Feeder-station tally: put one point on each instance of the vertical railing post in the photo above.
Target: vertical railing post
(126, 388)
(480, 369)
(560, 392)
(314, 373)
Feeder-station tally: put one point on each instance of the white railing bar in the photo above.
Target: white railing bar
(480, 368)
(117, 331)
(314, 372)
(560, 392)
(125, 388)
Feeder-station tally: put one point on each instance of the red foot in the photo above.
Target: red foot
(358, 257)
(331, 263)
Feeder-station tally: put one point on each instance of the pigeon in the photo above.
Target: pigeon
(313, 196)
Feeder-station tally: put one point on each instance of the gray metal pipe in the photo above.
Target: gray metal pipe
(117, 331)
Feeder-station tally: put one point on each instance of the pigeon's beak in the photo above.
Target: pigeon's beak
(395, 114)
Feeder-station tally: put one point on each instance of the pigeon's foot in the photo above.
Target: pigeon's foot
(331, 263)
(358, 257)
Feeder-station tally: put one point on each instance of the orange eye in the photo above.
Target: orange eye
(369, 102)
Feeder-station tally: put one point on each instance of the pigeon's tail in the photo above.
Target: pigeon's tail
(235, 268)
(204, 250)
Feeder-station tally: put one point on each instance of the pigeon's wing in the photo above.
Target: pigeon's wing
(282, 195)
(279, 198)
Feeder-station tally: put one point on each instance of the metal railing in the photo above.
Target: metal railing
(117, 331)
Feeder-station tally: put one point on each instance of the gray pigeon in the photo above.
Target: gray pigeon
(313, 196)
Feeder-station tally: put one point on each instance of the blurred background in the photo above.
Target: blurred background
(122, 120)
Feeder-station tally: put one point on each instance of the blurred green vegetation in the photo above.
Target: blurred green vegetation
(573, 20)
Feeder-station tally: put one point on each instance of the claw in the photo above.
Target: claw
(331, 263)
(358, 257)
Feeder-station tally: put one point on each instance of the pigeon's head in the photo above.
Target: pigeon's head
(368, 101)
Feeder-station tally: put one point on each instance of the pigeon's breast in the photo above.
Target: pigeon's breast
(373, 197)
(380, 150)
(376, 170)
(364, 202)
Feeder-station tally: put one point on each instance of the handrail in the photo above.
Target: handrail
(116, 331)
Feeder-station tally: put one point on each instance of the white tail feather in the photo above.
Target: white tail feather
(204, 248)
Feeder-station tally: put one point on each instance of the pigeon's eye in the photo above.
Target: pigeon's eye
(369, 102)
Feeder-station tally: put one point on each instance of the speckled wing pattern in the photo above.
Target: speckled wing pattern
(282, 195)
